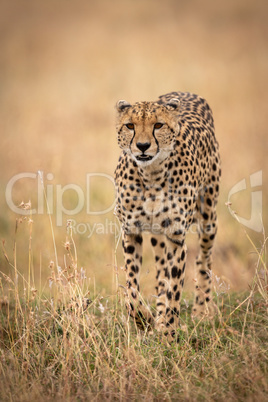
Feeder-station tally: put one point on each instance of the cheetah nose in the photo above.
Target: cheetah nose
(143, 146)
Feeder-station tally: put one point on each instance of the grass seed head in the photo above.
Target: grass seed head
(67, 245)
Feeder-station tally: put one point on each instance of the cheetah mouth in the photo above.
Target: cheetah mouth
(144, 158)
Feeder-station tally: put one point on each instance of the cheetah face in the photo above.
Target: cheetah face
(147, 130)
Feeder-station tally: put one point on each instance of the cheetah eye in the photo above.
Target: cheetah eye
(130, 126)
(158, 125)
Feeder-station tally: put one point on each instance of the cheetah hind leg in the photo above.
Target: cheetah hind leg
(203, 304)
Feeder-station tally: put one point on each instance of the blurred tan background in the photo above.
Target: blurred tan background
(64, 64)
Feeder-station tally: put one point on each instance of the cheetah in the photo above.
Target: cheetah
(167, 177)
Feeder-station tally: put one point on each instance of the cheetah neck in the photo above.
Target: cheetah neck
(154, 172)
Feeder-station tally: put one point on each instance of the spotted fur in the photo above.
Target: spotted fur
(167, 178)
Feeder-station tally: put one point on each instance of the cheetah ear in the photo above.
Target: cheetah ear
(122, 105)
(173, 104)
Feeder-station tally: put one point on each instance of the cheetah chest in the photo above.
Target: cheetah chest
(159, 209)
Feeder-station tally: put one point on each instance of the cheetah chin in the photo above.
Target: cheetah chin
(150, 160)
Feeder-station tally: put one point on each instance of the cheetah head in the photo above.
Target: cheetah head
(147, 130)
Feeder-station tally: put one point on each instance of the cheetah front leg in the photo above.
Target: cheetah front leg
(170, 257)
(132, 246)
(162, 277)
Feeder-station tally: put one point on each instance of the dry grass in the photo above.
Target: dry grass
(63, 66)
(73, 344)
